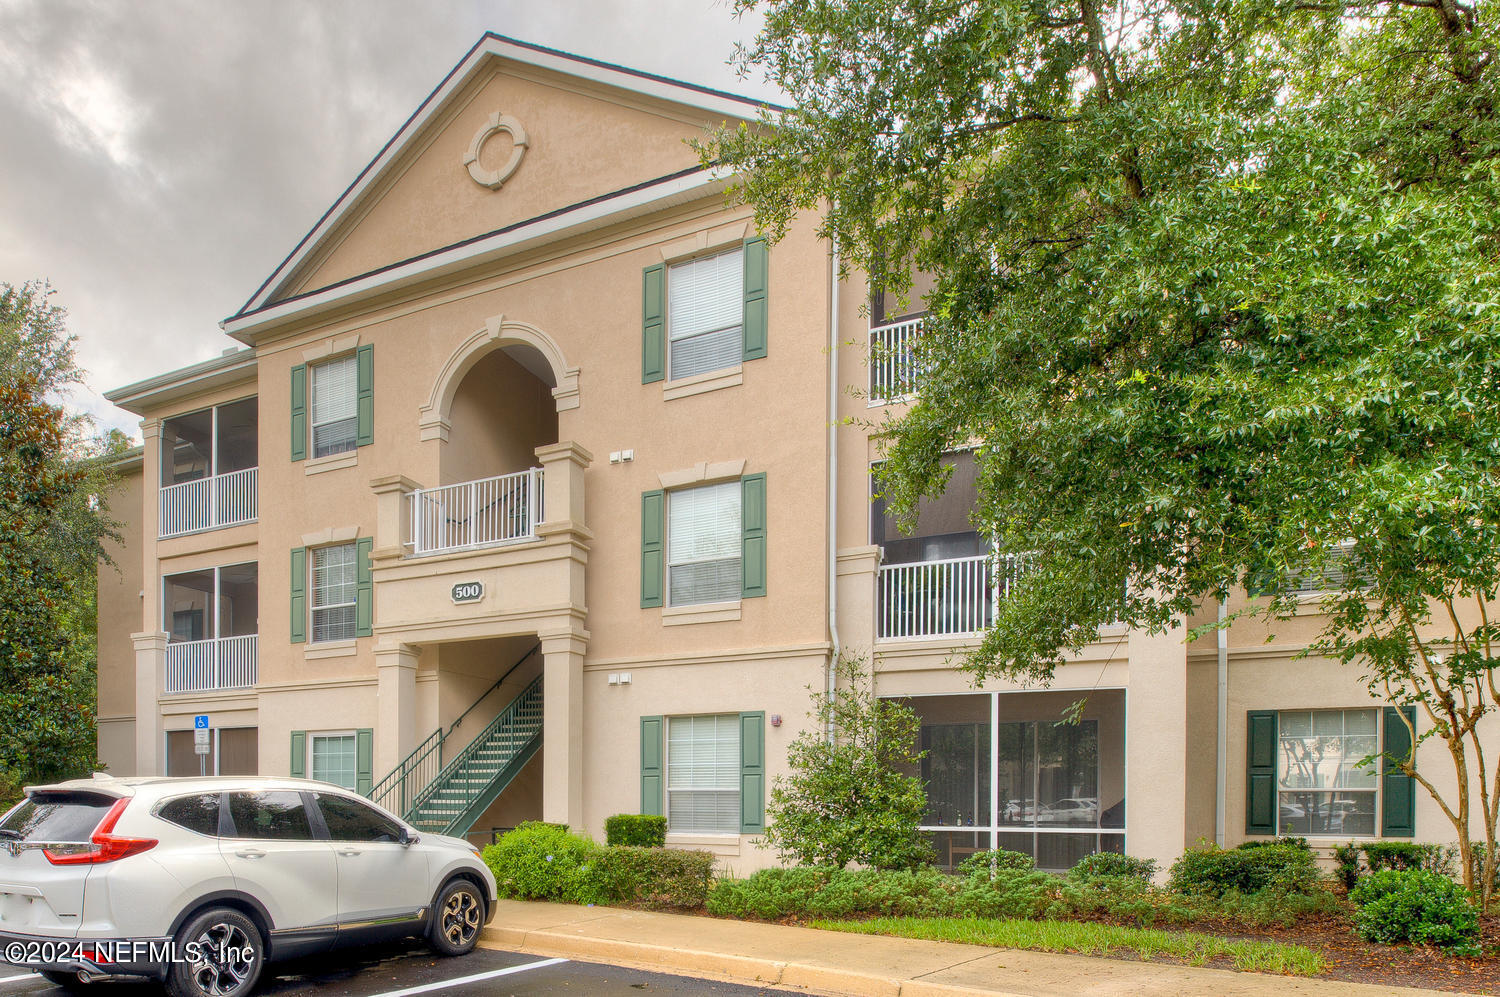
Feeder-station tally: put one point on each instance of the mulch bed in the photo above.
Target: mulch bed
(1351, 958)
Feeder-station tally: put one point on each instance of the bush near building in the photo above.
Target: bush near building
(540, 861)
(642, 830)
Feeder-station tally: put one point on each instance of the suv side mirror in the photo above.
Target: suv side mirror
(408, 839)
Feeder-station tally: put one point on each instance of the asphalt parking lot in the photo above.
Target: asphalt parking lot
(409, 970)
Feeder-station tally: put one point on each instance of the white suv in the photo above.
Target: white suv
(199, 882)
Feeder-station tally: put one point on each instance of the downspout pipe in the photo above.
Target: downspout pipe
(832, 523)
(1221, 774)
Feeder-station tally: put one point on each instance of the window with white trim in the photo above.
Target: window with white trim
(703, 774)
(335, 406)
(1320, 786)
(704, 544)
(335, 591)
(334, 758)
(705, 314)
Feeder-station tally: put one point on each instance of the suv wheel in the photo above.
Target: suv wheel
(457, 918)
(221, 954)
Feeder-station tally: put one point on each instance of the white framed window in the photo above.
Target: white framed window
(334, 758)
(705, 314)
(334, 593)
(1320, 786)
(335, 406)
(703, 774)
(704, 544)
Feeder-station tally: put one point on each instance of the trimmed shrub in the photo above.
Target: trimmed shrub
(1113, 865)
(1213, 871)
(1415, 905)
(1346, 859)
(769, 894)
(640, 830)
(540, 861)
(1403, 855)
(1290, 841)
(986, 862)
(658, 878)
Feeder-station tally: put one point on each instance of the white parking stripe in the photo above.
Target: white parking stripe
(460, 981)
(23, 976)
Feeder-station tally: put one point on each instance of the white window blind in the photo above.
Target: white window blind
(335, 406)
(703, 544)
(705, 310)
(333, 759)
(703, 774)
(335, 589)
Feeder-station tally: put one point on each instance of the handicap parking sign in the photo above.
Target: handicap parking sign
(200, 722)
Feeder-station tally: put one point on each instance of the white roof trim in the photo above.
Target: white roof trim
(492, 45)
(225, 369)
(527, 235)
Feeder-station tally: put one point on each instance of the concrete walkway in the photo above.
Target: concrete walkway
(830, 962)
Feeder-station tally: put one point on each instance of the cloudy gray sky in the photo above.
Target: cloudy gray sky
(158, 158)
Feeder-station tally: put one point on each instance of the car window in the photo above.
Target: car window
(350, 820)
(277, 815)
(52, 817)
(198, 813)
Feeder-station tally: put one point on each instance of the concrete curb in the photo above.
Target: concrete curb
(717, 965)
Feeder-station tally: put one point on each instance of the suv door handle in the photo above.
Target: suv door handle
(349, 851)
(250, 853)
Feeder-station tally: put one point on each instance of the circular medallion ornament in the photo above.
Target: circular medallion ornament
(497, 123)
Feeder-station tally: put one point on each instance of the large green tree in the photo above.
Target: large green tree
(1216, 299)
(53, 477)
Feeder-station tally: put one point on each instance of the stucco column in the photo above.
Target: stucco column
(562, 729)
(563, 465)
(151, 614)
(150, 669)
(391, 513)
(1156, 746)
(395, 703)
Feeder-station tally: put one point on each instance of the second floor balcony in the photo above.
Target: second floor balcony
(486, 512)
(212, 621)
(212, 664)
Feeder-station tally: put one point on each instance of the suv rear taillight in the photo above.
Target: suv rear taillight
(108, 846)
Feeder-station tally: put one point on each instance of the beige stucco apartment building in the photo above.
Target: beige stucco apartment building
(538, 486)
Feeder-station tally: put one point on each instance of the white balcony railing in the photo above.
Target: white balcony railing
(479, 513)
(893, 366)
(952, 597)
(209, 503)
(206, 665)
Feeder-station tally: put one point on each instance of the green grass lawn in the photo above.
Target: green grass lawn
(1093, 939)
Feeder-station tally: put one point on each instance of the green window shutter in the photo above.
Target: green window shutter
(654, 323)
(299, 595)
(651, 765)
(756, 266)
(299, 754)
(1398, 791)
(752, 773)
(364, 761)
(299, 412)
(364, 588)
(1260, 773)
(753, 536)
(653, 567)
(364, 361)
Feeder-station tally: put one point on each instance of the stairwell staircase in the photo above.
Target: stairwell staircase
(449, 801)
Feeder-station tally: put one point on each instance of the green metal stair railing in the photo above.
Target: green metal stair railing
(466, 786)
(399, 790)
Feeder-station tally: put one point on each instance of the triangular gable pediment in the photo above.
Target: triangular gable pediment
(514, 133)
